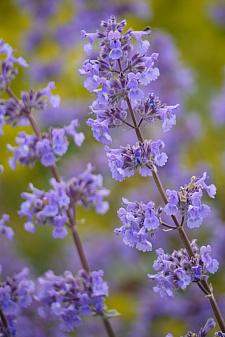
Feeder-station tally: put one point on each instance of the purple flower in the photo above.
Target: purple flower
(100, 131)
(134, 92)
(4, 229)
(47, 91)
(16, 293)
(71, 130)
(178, 270)
(124, 161)
(59, 142)
(68, 298)
(8, 72)
(16, 111)
(45, 152)
(210, 264)
(25, 152)
(187, 202)
(87, 190)
(140, 222)
(151, 109)
(47, 149)
(50, 207)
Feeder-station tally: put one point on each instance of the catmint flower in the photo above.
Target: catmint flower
(68, 298)
(140, 222)
(15, 294)
(4, 229)
(25, 152)
(8, 72)
(178, 270)
(143, 157)
(52, 207)
(87, 190)
(152, 109)
(16, 111)
(120, 73)
(100, 131)
(52, 145)
(187, 201)
(49, 207)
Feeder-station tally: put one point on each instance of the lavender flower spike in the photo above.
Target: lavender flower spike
(140, 223)
(187, 202)
(124, 161)
(112, 87)
(178, 270)
(69, 298)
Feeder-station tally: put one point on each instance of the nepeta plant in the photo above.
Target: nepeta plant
(67, 298)
(118, 77)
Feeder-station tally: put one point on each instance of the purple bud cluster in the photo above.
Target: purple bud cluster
(68, 298)
(140, 222)
(15, 111)
(119, 74)
(178, 270)
(41, 208)
(187, 201)
(15, 294)
(86, 189)
(48, 149)
(4, 229)
(143, 156)
(8, 72)
(53, 207)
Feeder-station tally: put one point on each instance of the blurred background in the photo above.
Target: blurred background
(190, 38)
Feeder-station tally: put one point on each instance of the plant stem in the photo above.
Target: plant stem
(72, 223)
(182, 233)
(5, 323)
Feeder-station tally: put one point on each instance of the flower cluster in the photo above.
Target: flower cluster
(15, 111)
(15, 294)
(187, 202)
(118, 78)
(4, 229)
(53, 207)
(69, 298)
(51, 145)
(143, 156)
(87, 189)
(8, 72)
(140, 222)
(49, 207)
(178, 270)
(151, 109)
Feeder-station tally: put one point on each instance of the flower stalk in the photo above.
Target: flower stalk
(208, 290)
(71, 215)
